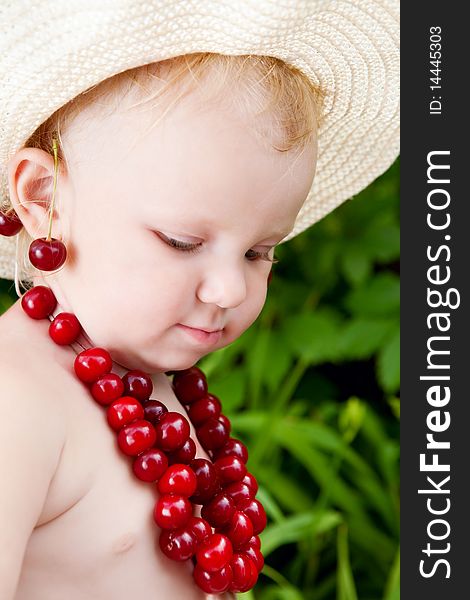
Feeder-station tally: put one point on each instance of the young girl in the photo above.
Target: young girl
(153, 155)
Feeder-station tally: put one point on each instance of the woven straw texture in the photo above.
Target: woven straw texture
(52, 51)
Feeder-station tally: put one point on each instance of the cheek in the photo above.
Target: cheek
(249, 311)
(259, 298)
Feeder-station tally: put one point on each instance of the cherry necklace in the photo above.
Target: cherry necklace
(223, 543)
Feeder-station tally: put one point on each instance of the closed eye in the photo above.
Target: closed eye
(185, 247)
(260, 256)
(251, 255)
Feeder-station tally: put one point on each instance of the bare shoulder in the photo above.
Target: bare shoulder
(27, 369)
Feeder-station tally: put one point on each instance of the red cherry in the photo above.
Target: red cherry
(255, 542)
(230, 469)
(244, 573)
(190, 385)
(154, 409)
(107, 388)
(178, 479)
(207, 480)
(47, 255)
(212, 434)
(233, 447)
(136, 437)
(255, 511)
(172, 511)
(239, 491)
(213, 583)
(172, 431)
(137, 384)
(239, 529)
(226, 423)
(219, 510)
(214, 553)
(177, 544)
(251, 482)
(91, 364)
(9, 224)
(123, 411)
(150, 465)
(204, 409)
(199, 527)
(64, 329)
(39, 302)
(255, 555)
(185, 454)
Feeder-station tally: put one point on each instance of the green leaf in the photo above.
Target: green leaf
(248, 422)
(280, 359)
(313, 336)
(298, 527)
(284, 590)
(320, 266)
(380, 296)
(288, 492)
(320, 470)
(392, 587)
(360, 475)
(346, 586)
(382, 241)
(377, 496)
(387, 450)
(356, 265)
(256, 357)
(231, 388)
(378, 546)
(364, 336)
(326, 439)
(270, 505)
(394, 404)
(388, 364)
(287, 295)
(246, 596)
(306, 436)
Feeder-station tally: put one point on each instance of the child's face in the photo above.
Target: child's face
(200, 176)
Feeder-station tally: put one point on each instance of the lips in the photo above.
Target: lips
(207, 337)
(206, 329)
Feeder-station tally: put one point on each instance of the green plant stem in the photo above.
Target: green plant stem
(262, 443)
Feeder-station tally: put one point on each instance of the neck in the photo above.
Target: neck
(84, 341)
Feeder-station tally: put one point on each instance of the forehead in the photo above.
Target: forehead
(204, 160)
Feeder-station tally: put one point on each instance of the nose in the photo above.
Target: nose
(223, 284)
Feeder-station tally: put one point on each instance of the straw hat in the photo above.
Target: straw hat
(52, 51)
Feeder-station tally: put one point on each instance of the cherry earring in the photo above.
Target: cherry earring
(48, 254)
(9, 224)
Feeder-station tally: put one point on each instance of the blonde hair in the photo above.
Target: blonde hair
(259, 85)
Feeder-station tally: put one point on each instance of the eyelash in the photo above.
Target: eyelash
(194, 248)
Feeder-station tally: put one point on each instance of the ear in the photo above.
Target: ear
(30, 181)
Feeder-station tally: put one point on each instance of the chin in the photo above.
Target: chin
(181, 365)
(174, 363)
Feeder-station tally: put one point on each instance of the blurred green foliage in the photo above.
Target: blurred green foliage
(312, 389)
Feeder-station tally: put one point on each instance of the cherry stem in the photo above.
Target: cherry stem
(54, 148)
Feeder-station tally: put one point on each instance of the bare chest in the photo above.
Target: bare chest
(96, 537)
